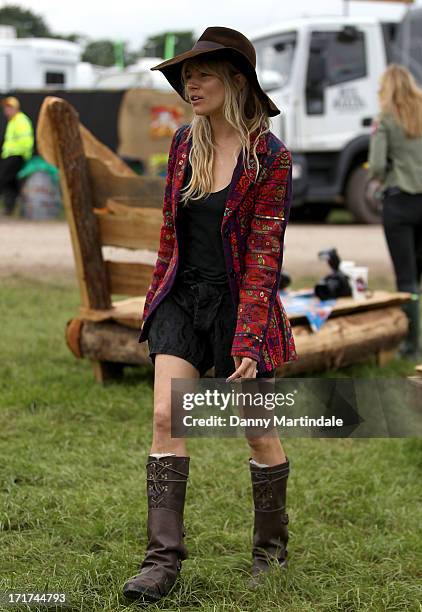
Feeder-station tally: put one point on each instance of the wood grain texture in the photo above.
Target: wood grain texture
(351, 338)
(77, 199)
(128, 278)
(146, 190)
(140, 231)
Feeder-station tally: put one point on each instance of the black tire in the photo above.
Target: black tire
(363, 209)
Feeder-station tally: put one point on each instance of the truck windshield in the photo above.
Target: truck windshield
(275, 59)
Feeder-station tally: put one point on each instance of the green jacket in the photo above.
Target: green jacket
(395, 159)
(19, 137)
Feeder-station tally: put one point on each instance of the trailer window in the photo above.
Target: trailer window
(55, 78)
(274, 60)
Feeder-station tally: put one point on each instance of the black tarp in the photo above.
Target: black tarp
(98, 110)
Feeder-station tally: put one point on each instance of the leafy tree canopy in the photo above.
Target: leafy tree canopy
(27, 24)
(100, 52)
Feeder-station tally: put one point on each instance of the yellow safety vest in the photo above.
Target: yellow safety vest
(19, 137)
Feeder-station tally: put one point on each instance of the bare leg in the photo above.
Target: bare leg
(167, 479)
(267, 449)
(166, 368)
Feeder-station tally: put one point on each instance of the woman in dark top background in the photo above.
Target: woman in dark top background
(395, 159)
(193, 327)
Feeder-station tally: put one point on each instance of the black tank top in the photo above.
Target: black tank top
(199, 236)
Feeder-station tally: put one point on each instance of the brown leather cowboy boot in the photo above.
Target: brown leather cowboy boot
(270, 524)
(166, 489)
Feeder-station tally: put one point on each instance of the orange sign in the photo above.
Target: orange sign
(165, 120)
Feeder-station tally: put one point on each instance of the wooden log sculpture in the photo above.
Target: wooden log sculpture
(107, 204)
(91, 176)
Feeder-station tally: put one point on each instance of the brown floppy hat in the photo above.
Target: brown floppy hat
(227, 43)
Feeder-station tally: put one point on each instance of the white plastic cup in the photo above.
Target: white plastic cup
(359, 281)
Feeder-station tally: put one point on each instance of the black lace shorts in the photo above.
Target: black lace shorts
(197, 323)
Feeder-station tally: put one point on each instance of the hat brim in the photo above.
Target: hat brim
(172, 70)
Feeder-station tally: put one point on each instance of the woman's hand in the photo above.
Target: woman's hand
(245, 368)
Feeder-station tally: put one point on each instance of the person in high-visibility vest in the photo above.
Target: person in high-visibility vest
(17, 148)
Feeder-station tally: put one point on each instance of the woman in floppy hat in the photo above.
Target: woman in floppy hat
(214, 293)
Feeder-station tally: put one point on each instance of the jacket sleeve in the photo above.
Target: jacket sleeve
(263, 257)
(378, 145)
(167, 232)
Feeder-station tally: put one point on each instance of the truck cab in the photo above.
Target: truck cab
(323, 74)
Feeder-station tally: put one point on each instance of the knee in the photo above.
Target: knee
(162, 419)
(262, 445)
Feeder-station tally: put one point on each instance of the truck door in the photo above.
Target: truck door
(337, 82)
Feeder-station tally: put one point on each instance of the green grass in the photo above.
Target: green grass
(72, 482)
(340, 216)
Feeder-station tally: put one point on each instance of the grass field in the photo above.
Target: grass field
(72, 480)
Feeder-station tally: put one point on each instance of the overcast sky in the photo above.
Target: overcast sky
(134, 20)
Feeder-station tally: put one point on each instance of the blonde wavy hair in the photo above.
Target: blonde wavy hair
(400, 96)
(243, 109)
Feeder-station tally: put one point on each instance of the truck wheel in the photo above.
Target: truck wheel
(363, 209)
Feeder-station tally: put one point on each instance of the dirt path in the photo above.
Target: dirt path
(43, 249)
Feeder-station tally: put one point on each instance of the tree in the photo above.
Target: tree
(154, 45)
(100, 52)
(26, 22)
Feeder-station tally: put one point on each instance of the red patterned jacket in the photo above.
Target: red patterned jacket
(252, 231)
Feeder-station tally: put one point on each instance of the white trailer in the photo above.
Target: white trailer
(323, 73)
(38, 63)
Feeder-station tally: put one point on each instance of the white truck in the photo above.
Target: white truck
(323, 73)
